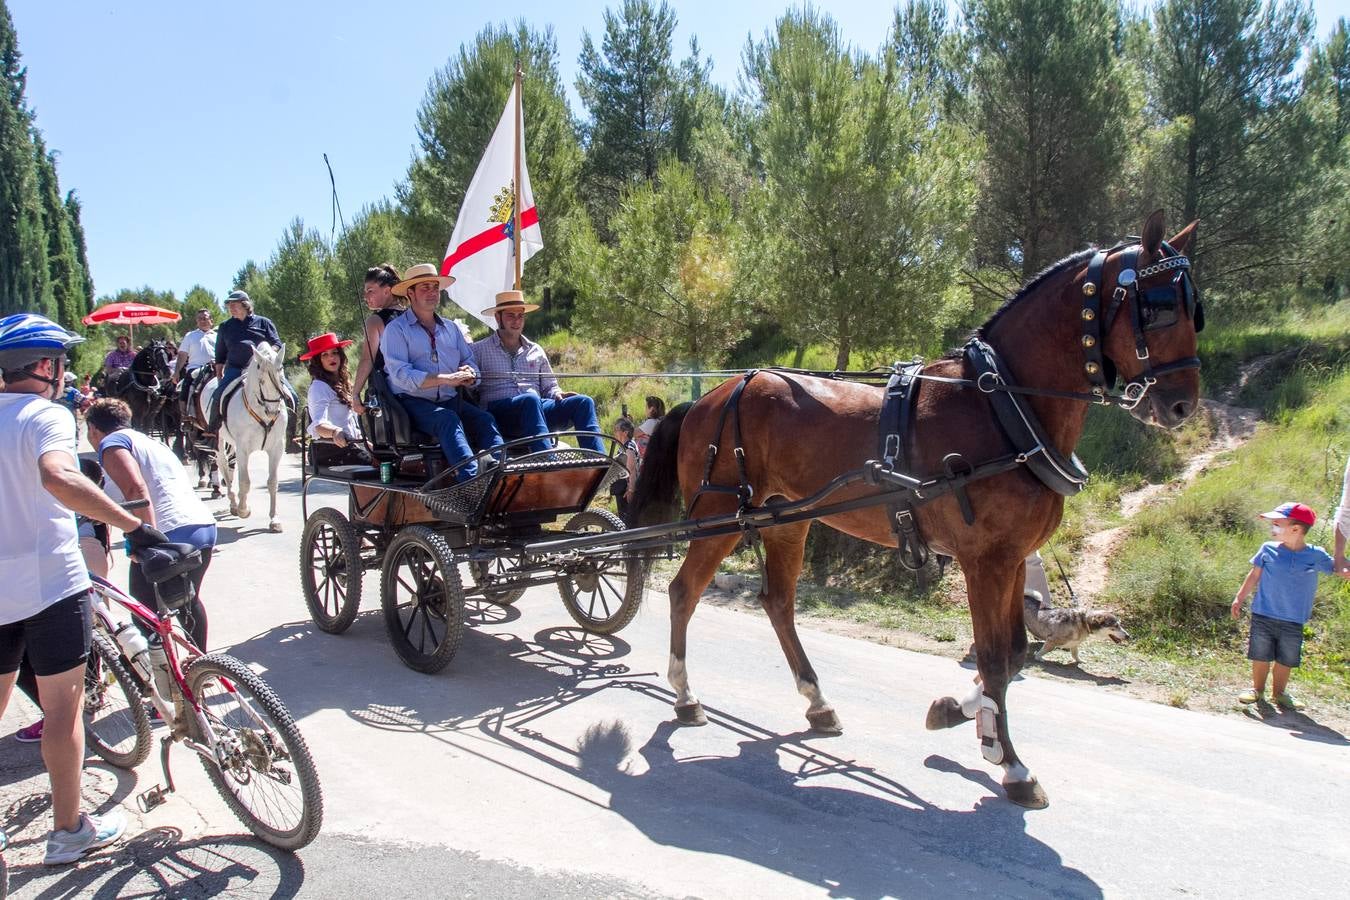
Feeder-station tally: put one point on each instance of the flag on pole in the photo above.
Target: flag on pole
(480, 254)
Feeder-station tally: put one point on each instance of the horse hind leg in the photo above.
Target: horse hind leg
(784, 548)
(697, 570)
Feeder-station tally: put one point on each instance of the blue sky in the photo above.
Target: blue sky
(193, 133)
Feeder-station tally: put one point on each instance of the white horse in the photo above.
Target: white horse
(254, 419)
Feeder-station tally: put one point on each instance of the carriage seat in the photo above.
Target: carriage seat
(392, 433)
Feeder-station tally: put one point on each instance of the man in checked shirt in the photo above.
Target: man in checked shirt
(518, 384)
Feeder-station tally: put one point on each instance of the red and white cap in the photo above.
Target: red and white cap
(1296, 511)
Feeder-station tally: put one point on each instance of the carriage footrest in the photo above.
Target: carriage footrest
(354, 472)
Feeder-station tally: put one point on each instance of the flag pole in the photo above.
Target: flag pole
(515, 206)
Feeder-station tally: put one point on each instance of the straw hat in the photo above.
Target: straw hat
(422, 272)
(321, 343)
(510, 300)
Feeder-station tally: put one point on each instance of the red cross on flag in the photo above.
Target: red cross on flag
(481, 254)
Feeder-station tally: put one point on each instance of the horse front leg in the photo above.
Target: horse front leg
(697, 570)
(995, 595)
(273, 464)
(784, 547)
(226, 473)
(245, 482)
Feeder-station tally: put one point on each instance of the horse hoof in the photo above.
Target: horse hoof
(216, 494)
(690, 714)
(824, 721)
(274, 527)
(1027, 793)
(244, 513)
(944, 713)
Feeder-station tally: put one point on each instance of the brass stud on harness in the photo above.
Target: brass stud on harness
(1089, 341)
(1092, 368)
(1089, 315)
(1089, 288)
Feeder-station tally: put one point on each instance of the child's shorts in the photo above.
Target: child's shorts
(1275, 640)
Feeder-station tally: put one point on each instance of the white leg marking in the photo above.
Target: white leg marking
(1015, 772)
(971, 705)
(813, 695)
(679, 680)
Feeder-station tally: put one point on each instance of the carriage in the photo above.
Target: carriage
(408, 518)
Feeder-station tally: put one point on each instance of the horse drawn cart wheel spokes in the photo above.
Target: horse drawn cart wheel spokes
(331, 569)
(486, 571)
(602, 592)
(423, 599)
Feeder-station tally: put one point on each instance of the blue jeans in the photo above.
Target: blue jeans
(454, 424)
(528, 414)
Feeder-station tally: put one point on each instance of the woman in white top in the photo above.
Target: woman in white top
(138, 467)
(656, 411)
(331, 417)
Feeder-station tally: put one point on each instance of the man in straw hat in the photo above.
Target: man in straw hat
(428, 360)
(519, 388)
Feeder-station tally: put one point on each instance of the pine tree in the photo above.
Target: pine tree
(1222, 82)
(860, 224)
(1050, 106)
(297, 299)
(74, 210)
(24, 281)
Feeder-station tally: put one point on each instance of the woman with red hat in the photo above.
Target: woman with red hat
(331, 418)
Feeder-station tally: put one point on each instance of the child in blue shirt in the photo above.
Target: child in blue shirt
(1284, 577)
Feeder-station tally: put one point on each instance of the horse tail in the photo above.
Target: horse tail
(656, 497)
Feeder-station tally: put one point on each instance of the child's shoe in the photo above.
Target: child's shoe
(30, 735)
(1249, 696)
(1289, 701)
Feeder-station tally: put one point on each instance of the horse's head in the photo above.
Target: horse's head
(1150, 312)
(159, 357)
(265, 366)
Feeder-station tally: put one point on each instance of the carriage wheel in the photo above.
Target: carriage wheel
(604, 594)
(330, 570)
(423, 599)
(482, 570)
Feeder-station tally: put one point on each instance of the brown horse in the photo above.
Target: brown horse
(799, 432)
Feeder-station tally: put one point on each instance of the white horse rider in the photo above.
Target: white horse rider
(254, 419)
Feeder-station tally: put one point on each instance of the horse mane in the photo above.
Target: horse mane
(1037, 281)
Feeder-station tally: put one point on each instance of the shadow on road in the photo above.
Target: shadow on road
(779, 802)
(1299, 725)
(157, 863)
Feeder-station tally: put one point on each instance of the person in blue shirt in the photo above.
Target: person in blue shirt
(427, 361)
(235, 339)
(1284, 576)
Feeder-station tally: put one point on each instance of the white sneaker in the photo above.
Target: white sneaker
(94, 832)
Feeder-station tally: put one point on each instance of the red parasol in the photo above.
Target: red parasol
(131, 314)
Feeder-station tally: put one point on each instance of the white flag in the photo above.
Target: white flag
(480, 251)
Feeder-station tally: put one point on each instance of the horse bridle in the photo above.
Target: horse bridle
(1155, 309)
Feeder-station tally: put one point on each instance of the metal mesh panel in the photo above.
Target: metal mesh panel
(460, 502)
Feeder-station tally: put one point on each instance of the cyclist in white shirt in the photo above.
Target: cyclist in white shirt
(44, 602)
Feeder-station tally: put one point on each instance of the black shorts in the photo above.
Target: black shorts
(56, 638)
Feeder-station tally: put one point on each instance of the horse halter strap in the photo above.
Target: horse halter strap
(1097, 324)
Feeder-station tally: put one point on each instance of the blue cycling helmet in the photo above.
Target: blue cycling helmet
(27, 337)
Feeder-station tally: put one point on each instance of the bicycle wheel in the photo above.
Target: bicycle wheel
(262, 768)
(330, 570)
(116, 725)
(603, 593)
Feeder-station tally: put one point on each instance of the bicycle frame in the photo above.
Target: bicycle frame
(171, 640)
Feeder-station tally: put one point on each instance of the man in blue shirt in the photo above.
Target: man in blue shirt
(235, 339)
(427, 361)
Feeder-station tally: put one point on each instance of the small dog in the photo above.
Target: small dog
(1067, 628)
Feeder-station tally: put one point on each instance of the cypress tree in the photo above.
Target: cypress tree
(63, 267)
(24, 284)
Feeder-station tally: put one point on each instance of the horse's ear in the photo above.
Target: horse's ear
(1153, 233)
(1185, 238)
(281, 355)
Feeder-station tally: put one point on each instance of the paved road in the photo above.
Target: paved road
(544, 763)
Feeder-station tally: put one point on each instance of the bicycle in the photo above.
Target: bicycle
(212, 703)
